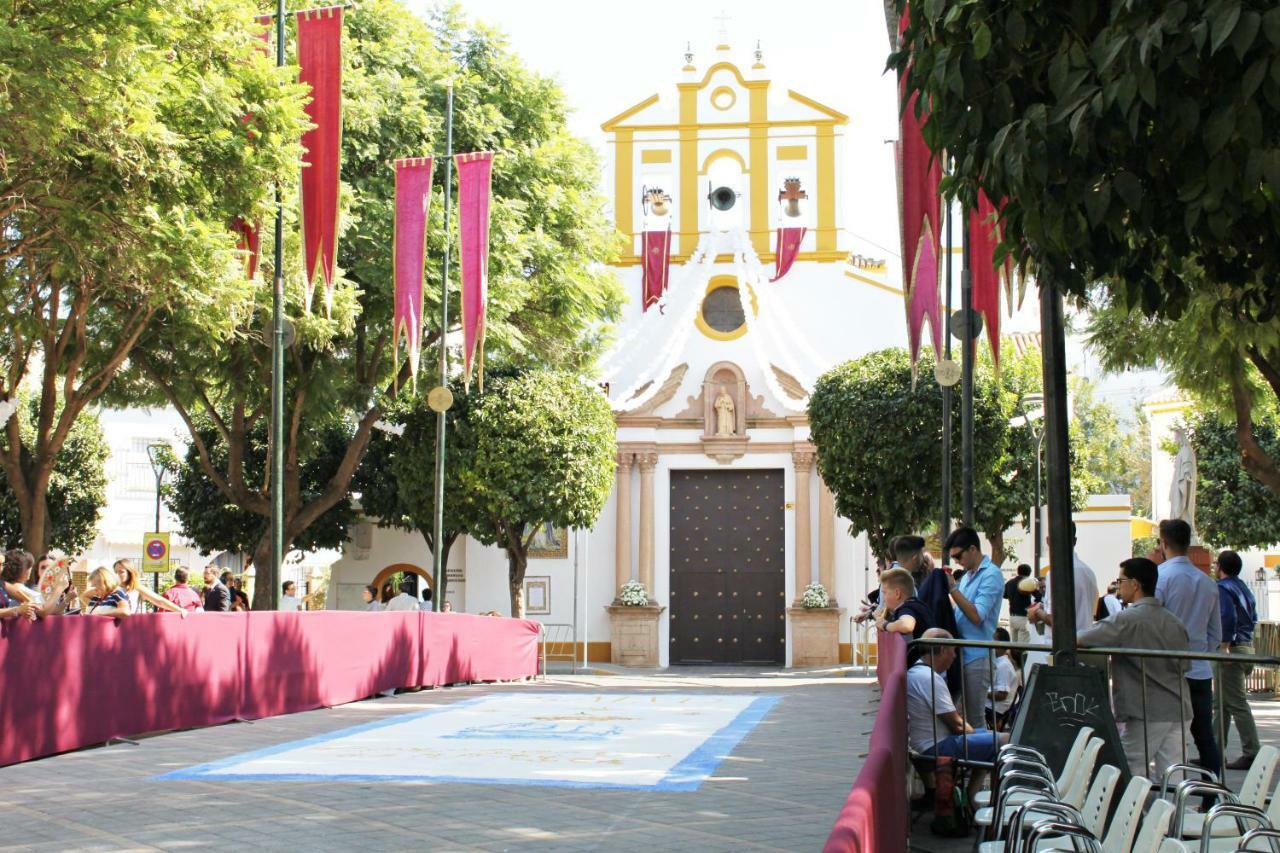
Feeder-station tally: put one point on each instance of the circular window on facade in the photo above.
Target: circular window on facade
(723, 98)
(722, 312)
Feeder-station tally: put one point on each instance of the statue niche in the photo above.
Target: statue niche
(724, 412)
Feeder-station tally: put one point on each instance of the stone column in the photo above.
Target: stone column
(647, 460)
(622, 549)
(827, 539)
(803, 459)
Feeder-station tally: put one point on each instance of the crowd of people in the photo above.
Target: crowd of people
(34, 589)
(1159, 602)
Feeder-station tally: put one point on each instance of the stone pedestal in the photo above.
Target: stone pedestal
(633, 634)
(815, 635)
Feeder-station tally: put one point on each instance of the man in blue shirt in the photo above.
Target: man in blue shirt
(1239, 613)
(1192, 596)
(976, 605)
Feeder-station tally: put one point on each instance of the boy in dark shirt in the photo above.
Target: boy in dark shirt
(904, 613)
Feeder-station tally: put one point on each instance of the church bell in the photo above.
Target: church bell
(722, 198)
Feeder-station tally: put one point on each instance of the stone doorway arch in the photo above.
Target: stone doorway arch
(396, 568)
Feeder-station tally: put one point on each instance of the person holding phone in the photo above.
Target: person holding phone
(20, 583)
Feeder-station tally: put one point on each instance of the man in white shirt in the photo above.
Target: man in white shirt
(1086, 594)
(289, 601)
(934, 726)
(406, 599)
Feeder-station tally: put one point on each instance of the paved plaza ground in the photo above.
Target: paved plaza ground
(780, 787)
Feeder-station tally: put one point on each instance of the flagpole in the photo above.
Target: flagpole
(277, 371)
(966, 388)
(437, 526)
(946, 405)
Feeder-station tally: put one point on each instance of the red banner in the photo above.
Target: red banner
(984, 236)
(249, 234)
(788, 246)
(919, 174)
(320, 67)
(655, 246)
(413, 196)
(475, 172)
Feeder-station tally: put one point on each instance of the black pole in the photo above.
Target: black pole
(437, 526)
(277, 372)
(1057, 464)
(155, 576)
(966, 384)
(945, 527)
(1035, 522)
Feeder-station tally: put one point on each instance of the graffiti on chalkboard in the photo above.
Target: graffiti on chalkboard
(1072, 709)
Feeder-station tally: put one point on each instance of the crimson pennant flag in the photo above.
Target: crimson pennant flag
(919, 174)
(986, 276)
(655, 246)
(786, 250)
(475, 172)
(249, 234)
(320, 67)
(409, 249)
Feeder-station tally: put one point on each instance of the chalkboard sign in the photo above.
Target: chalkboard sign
(1057, 703)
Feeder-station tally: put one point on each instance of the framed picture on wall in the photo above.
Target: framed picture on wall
(537, 596)
(549, 543)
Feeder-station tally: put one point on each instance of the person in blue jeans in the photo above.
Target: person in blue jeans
(934, 726)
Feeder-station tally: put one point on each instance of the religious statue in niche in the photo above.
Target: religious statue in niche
(726, 420)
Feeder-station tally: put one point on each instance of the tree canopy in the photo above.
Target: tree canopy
(1133, 143)
(124, 154)
(550, 298)
(77, 487)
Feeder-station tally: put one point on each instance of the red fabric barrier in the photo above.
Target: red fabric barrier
(462, 647)
(297, 661)
(882, 828)
(70, 682)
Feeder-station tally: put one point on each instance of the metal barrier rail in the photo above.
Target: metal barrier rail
(860, 640)
(1216, 658)
(560, 638)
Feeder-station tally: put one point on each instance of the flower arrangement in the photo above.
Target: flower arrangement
(633, 594)
(815, 596)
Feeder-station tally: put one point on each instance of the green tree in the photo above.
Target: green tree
(77, 487)
(123, 156)
(1113, 457)
(550, 297)
(213, 523)
(1233, 510)
(1135, 144)
(543, 448)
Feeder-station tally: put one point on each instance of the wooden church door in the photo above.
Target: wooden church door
(728, 567)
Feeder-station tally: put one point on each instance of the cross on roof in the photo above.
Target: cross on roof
(723, 18)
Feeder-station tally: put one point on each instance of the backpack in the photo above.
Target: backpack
(953, 815)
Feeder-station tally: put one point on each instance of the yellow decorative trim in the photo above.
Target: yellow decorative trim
(759, 149)
(765, 257)
(793, 152)
(835, 114)
(723, 98)
(826, 230)
(655, 155)
(723, 154)
(1107, 509)
(613, 123)
(623, 184)
(871, 281)
(1162, 409)
(718, 282)
(688, 222)
(723, 66)
(723, 47)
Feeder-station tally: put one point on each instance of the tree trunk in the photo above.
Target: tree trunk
(517, 562)
(34, 512)
(996, 539)
(265, 578)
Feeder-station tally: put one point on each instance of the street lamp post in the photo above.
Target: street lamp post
(155, 454)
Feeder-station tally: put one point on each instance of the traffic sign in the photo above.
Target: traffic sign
(155, 552)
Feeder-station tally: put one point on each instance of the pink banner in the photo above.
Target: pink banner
(919, 175)
(413, 197)
(320, 67)
(984, 236)
(870, 821)
(155, 672)
(475, 172)
(655, 247)
(786, 250)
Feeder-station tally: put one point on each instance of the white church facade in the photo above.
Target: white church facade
(719, 514)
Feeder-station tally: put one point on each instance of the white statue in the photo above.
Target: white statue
(726, 423)
(1182, 491)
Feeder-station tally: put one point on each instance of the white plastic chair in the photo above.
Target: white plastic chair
(1072, 792)
(1025, 818)
(1094, 811)
(1154, 827)
(1252, 841)
(1128, 813)
(1017, 752)
(1253, 792)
